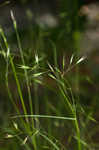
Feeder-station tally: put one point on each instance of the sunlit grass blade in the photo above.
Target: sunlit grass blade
(44, 116)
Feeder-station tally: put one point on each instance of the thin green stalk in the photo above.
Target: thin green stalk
(74, 115)
(62, 89)
(78, 134)
(36, 102)
(25, 72)
(23, 61)
(50, 141)
(7, 86)
(44, 116)
(18, 85)
(75, 38)
(14, 71)
(9, 60)
(11, 98)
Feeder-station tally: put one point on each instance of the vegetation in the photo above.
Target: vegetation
(47, 87)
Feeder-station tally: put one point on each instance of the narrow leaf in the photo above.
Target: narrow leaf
(71, 60)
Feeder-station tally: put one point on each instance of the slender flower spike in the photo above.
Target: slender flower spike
(51, 68)
(36, 58)
(71, 60)
(14, 21)
(25, 140)
(9, 136)
(63, 63)
(12, 16)
(23, 67)
(15, 125)
(80, 60)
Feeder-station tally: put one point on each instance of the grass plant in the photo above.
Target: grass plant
(51, 117)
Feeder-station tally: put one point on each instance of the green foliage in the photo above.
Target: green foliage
(47, 101)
